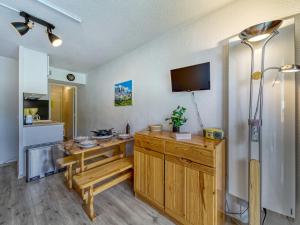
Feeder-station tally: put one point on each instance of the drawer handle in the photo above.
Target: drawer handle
(186, 160)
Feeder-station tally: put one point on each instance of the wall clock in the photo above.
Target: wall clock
(70, 77)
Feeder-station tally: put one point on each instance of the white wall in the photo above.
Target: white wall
(149, 66)
(152, 97)
(8, 110)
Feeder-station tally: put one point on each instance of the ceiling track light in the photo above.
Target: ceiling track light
(23, 27)
(55, 40)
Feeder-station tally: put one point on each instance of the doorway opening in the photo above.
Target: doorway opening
(63, 108)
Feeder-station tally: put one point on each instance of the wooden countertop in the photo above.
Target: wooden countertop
(196, 139)
(44, 123)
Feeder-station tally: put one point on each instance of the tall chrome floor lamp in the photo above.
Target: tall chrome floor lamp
(263, 31)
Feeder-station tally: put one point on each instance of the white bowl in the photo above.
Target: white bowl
(81, 138)
(88, 143)
(124, 136)
(102, 137)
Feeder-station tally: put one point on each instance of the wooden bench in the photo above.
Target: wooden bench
(106, 176)
(72, 162)
(69, 162)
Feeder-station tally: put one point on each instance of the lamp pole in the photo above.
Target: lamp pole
(255, 136)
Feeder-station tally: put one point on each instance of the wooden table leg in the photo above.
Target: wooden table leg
(123, 149)
(82, 162)
(116, 150)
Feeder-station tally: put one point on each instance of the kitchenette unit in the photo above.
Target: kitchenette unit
(38, 136)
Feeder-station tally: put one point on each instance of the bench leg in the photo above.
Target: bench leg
(85, 198)
(89, 207)
(70, 177)
(83, 194)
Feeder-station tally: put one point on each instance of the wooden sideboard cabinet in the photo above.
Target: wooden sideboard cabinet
(183, 179)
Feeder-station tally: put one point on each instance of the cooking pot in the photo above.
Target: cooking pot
(103, 132)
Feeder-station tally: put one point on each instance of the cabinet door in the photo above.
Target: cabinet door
(140, 178)
(34, 69)
(190, 195)
(200, 197)
(149, 175)
(175, 189)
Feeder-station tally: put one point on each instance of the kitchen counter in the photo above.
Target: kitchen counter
(44, 123)
(43, 132)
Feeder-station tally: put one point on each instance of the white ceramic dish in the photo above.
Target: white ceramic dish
(81, 138)
(124, 136)
(87, 146)
(102, 137)
(88, 142)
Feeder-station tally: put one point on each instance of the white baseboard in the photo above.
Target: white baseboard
(8, 163)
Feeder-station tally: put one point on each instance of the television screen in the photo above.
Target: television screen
(191, 78)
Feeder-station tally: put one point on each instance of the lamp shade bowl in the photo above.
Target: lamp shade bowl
(260, 31)
(293, 68)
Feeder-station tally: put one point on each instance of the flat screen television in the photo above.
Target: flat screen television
(191, 78)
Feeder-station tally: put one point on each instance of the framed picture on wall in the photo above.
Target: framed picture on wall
(123, 93)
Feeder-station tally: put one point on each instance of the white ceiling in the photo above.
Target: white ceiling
(110, 27)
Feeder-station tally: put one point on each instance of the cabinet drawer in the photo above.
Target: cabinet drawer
(191, 152)
(149, 143)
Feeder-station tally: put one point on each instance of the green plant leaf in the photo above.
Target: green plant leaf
(177, 118)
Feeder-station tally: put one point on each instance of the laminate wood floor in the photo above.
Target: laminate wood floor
(49, 202)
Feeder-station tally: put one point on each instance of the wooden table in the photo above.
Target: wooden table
(103, 148)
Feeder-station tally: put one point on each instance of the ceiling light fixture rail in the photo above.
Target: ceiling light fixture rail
(23, 27)
(9, 7)
(60, 10)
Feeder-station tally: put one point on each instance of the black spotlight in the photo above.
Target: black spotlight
(55, 40)
(22, 28)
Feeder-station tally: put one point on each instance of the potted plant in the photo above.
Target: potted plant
(177, 119)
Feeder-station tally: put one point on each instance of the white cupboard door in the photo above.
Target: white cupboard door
(35, 72)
